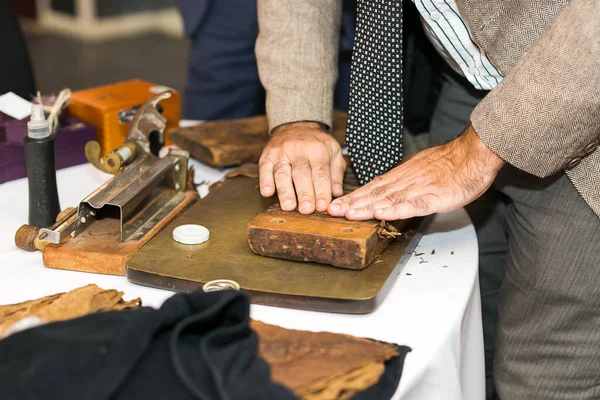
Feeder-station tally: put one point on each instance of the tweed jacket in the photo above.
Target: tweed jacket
(543, 117)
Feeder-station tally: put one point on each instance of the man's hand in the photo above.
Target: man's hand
(439, 179)
(302, 161)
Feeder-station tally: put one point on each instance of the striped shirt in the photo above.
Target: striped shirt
(451, 37)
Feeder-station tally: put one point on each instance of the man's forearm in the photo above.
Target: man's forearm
(297, 51)
(546, 111)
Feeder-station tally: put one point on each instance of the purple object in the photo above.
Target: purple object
(71, 138)
(3, 120)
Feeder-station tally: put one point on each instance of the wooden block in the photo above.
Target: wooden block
(99, 249)
(317, 238)
(234, 142)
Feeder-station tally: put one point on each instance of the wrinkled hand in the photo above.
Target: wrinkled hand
(439, 179)
(302, 161)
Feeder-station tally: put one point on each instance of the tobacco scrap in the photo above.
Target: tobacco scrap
(419, 254)
(387, 230)
(408, 273)
(247, 170)
(451, 253)
(190, 256)
(321, 365)
(433, 252)
(423, 262)
(62, 306)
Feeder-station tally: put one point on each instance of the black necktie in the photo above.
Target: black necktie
(374, 133)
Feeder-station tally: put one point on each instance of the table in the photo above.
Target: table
(434, 306)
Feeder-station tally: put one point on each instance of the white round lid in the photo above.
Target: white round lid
(191, 234)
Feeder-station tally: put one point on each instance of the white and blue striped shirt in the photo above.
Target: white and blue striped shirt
(451, 37)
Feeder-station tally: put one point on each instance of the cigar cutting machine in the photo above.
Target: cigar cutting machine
(145, 193)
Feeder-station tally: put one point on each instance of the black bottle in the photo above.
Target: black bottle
(41, 170)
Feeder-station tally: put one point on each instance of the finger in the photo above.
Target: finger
(363, 208)
(360, 214)
(339, 206)
(282, 172)
(321, 176)
(366, 190)
(265, 177)
(303, 183)
(338, 169)
(413, 207)
(360, 197)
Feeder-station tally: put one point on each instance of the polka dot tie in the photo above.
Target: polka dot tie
(374, 132)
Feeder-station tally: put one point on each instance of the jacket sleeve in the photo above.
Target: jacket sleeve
(296, 52)
(544, 116)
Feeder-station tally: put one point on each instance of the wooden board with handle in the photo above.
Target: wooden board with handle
(99, 249)
(226, 212)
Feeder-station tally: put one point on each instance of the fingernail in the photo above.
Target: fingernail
(266, 189)
(287, 204)
(336, 201)
(305, 205)
(338, 188)
(334, 206)
(321, 203)
(351, 211)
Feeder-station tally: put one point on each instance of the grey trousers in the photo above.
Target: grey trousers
(539, 274)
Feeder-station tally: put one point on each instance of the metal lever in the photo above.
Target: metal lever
(147, 119)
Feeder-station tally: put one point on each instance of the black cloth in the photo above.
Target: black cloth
(388, 383)
(196, 346)
(16, 74)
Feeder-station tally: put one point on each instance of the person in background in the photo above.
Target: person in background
(223, 80)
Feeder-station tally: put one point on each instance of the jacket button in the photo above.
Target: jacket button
(573, 163)
(589, 149)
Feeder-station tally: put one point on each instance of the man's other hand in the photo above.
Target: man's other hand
(304, 165)
(439, 179)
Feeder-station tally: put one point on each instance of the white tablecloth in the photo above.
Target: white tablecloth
(434, 306)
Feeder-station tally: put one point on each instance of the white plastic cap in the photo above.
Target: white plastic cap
(191, 234)
(38, 127)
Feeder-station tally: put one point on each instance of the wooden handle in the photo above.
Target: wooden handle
(26, 238)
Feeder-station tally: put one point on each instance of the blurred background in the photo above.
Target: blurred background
(85, 43)
(204, 49)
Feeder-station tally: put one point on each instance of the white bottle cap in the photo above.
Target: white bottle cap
(191, 234)
(37, 127)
